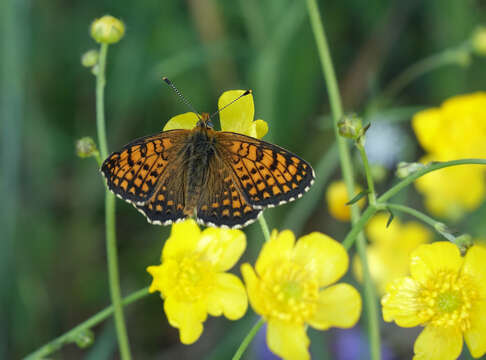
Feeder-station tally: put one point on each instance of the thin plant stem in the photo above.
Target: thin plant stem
(381, 202)
(371, 301)
(71, 335)
(111, 250)
(247, 340)
(426, 169)
(438, 226)
(264, 226)
(369, 177)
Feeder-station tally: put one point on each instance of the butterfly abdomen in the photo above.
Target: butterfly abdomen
(198, 154)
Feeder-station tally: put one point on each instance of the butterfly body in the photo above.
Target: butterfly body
(221, 178)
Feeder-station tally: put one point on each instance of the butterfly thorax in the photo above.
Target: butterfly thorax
(197, 153)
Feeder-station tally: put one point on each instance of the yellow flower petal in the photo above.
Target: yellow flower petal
(427, 125)
(289, 341)
(187, 317)
(436, 343)
(475, 268)
(163, 277)
(400, 302)
(183, 239)
(322, 256)
(238, 117)
(183, 121)
(261, 128)
(476, 336)
(337, 197)
(228, 297)
(428, 259)
(222, 247)
(338, 305)
(278, 248)
(252, 288)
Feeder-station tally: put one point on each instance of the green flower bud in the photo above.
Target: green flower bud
(405, 169)
(89, 58)
(350, 126)
(464, 242)
(479, 40)
(84, 338)
(107, 30)
(86, 147)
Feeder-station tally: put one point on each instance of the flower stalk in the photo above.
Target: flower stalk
(371, 302)
(68, 337)
(248, 338)
(110, 221)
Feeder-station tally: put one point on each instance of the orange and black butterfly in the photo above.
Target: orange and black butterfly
(221, 178)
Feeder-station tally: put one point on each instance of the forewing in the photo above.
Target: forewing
(222, 203)
(267, 174)
(133, 172)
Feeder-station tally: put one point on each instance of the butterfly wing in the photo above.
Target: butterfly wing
(267, 174)
(166, 205)
(222, 203)
(134, 172)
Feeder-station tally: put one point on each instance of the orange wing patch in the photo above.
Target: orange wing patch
(133, 172)
(267, 174)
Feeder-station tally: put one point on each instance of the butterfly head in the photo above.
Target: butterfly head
(205, 121)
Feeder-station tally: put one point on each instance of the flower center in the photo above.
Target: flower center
(193, 278)
(446, 300)
(291, 291)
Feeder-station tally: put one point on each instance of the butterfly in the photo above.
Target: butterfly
(222, 179)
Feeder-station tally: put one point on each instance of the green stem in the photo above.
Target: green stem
(426, 169)
(381, 201)
(69, 336)
(437, 225)
(111, 249)
(454, 56)
(264, 226)
(369, 177)
(371, 301)
(247, 340)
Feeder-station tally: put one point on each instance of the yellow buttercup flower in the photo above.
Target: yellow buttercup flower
(390, 247)
(192, 278)
(291, 286)
(446, 293)
(455, 130)
(337, 197)
(238, 117)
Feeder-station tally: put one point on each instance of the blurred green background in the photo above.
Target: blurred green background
(53, 271)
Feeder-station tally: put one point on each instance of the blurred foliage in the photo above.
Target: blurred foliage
(52, 252)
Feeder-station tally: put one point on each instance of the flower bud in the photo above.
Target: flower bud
(479, 40)
(405, 169)
(350, 126)
(464, 242)
(84, 338)
(86, 147)
(89, 58)
(107, 30)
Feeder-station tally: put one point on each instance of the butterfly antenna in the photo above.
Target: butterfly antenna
(224, 107)
(184, 100)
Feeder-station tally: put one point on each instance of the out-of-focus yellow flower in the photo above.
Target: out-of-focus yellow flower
(455, 130)
(238, 117)
(337, 197)
(390, 247)
(107, 29)
(192, 278)
(291, 286)
(446, 293)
